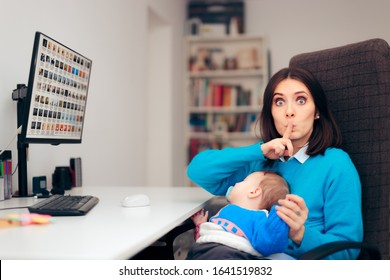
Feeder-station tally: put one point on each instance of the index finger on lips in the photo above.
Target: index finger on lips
(287, 132)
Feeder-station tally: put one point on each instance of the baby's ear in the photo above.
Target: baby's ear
(255, 192)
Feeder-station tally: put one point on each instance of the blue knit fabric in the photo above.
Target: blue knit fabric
(328, 183)
(267, 233)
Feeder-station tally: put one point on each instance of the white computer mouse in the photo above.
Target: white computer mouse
(136, 200)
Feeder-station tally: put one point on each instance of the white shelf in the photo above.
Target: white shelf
(223, 109)
(224, 39)
(213, 136)
(240, 73)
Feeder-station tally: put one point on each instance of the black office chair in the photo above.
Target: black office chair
(356, 79)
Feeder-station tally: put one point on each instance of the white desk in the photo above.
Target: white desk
(108, 231)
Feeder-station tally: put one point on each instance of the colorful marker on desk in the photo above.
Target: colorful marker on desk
(24, 219)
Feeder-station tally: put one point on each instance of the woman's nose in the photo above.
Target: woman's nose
(289, 114)
(289, 111)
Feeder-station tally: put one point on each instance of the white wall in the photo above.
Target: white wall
(113, 33)
(168, 155)
(158, 121)
(296, 26)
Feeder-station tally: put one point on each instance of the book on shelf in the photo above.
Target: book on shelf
(199, 145)
(227, 97)
(218, 90)
(212, 94)
(240, 123)
(5, 175)
(235, 122)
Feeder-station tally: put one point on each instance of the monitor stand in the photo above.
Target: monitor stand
(19, 95)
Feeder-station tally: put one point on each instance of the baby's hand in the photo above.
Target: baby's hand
(200, 217)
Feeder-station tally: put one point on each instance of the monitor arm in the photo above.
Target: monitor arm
(19, 95)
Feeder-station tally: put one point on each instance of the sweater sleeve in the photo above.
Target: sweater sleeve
(217, 170)
(271, 235)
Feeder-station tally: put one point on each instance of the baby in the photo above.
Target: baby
(248, 223)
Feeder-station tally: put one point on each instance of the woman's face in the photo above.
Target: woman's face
(293, 104)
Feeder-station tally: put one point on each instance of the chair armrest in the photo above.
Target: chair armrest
(325, 250)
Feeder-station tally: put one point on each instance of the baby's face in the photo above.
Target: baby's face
(241, 189)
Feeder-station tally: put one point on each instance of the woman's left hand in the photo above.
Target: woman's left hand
(294, 212)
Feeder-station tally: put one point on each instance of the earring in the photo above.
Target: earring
(317, 117)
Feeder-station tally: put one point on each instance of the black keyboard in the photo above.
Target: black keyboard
(65, 205)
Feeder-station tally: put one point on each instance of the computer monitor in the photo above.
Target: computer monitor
(56, 94)
(51, 110)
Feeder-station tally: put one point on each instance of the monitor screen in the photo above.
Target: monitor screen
(56, 94)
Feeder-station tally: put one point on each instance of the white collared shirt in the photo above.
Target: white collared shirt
(300, 156)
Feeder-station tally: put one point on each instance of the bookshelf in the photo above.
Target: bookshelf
(225, 80)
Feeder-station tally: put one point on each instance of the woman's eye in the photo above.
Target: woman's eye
(279, 102)
(301, 100)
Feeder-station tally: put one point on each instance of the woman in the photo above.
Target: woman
(301, 141)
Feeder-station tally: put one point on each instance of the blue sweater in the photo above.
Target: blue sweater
(267, 233)
(328, 183)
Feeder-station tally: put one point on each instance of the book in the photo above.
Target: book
(5, 175)
(227, 102)
(217, 95)
(2, 181)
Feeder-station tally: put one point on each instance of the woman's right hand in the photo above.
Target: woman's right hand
(279, 147)
(294, 212)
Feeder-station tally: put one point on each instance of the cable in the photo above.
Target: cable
(11, 208)
(18, 131)
(16, 168)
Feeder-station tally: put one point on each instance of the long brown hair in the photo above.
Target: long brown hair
(326, 133)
